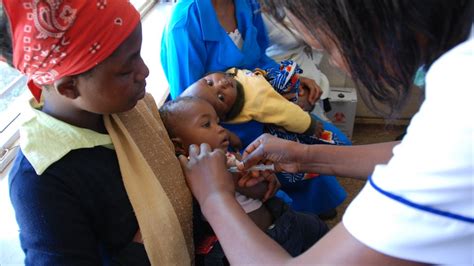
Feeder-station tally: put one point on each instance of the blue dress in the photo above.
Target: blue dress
(194, 43)
(321, 193)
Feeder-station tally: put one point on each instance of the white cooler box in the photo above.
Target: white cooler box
(343, 108)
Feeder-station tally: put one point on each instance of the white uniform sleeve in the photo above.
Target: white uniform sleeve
(420, 206)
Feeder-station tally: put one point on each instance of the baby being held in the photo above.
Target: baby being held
(191, 120)
(239, 96)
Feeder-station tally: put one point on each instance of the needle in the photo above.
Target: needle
(259, 167)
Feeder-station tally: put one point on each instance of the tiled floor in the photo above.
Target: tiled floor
(364, 134)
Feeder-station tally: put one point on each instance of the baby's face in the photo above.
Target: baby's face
(200, 124)
(219, 89)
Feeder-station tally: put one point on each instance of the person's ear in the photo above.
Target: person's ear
(67, 87)
(179, 146)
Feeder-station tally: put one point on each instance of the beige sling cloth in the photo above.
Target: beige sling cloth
(154, 183)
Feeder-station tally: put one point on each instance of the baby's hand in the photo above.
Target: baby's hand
(255, 184)
(314, 91)
(266, 178)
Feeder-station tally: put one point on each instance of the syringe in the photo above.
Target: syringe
(259, 167)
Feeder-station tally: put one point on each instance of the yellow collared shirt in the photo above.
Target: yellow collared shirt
(44, 139)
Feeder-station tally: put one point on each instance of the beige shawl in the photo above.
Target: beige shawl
(154, 183)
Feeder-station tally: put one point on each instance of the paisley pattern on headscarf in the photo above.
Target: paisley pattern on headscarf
(57, 38)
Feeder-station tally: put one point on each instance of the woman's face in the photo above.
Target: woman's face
(336, 58)
(116, 84)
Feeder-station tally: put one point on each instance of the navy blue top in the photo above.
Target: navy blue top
(77, 212)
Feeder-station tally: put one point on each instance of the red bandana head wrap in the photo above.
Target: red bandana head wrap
(57, 38)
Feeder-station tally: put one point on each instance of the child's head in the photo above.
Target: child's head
(222, 91)
(77, 65)
(191, 120)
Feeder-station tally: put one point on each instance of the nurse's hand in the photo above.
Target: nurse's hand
(312, 88)
(267, 148)
(206, 172)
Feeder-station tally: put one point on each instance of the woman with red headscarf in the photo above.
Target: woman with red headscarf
(86, 187)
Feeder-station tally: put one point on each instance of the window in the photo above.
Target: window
(152, 27)
(139, 3)
(12, 85)
(12, 97)
(144, 5)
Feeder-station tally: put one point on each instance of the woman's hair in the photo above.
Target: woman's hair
(383, 42)
(6, 50)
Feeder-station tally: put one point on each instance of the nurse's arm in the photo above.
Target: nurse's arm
(245, 243)
(357, 161)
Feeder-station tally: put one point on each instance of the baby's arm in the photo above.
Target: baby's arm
(277, 110)
(266, 105)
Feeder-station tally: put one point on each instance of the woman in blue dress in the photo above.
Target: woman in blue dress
(202, 37)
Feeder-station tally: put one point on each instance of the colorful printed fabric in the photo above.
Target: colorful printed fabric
(331, 136)
(53, 39)
(286, 79)
(301, 138)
